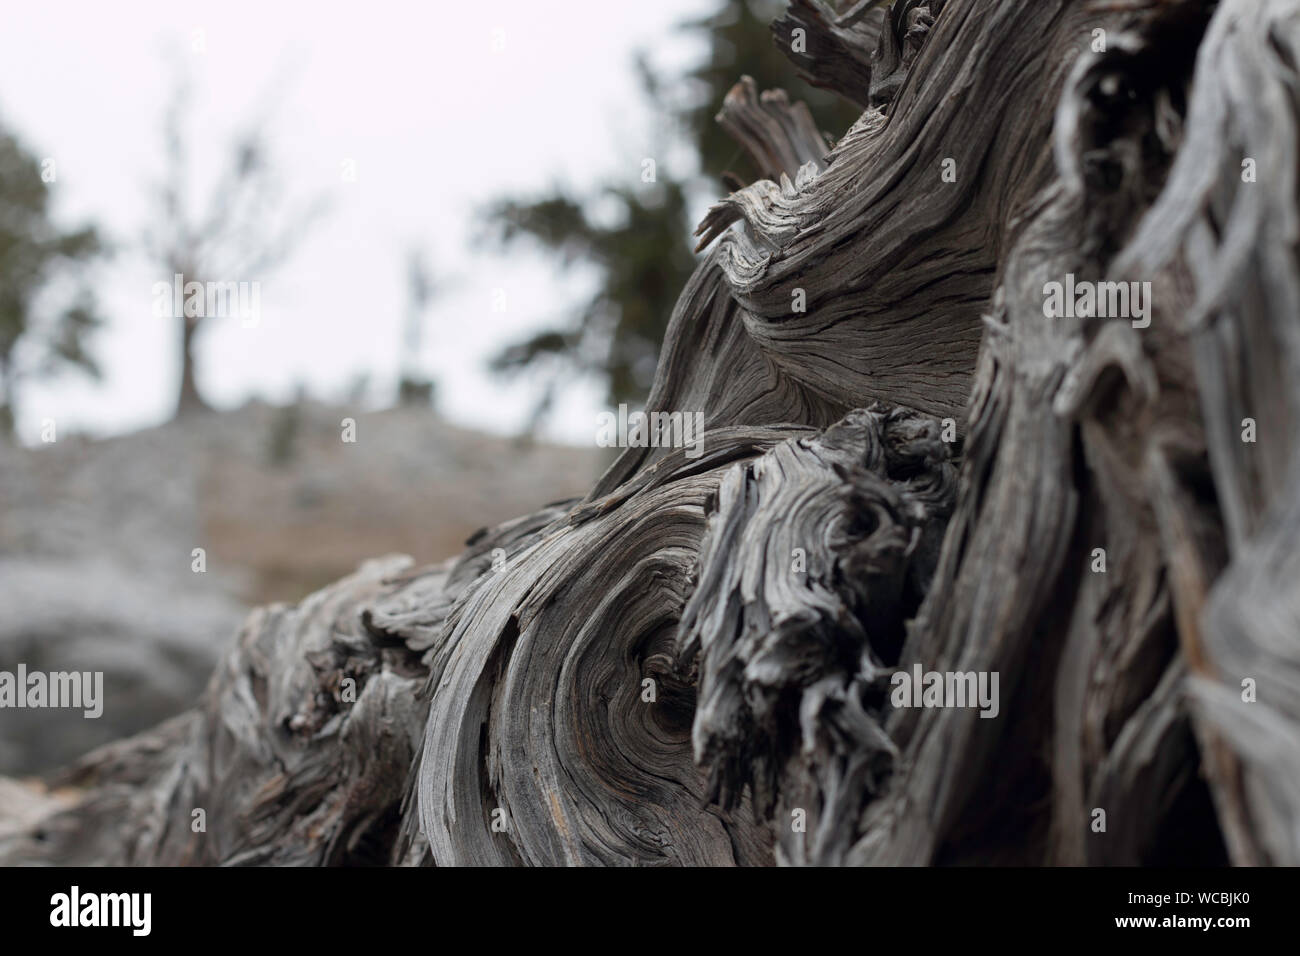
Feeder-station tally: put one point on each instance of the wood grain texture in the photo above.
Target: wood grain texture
(923, 468)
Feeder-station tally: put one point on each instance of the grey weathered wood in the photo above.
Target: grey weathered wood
(509, 686)
(780, 135)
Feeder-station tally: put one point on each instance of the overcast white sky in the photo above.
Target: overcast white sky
(438, 123)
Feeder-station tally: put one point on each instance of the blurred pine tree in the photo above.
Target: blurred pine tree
(38, 337)
(643, 253)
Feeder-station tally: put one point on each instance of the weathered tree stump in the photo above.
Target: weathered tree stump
(921, 467)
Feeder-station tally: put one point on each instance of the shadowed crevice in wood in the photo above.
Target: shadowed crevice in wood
(816, 555)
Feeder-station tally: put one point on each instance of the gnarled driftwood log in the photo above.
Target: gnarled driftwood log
(920, 465)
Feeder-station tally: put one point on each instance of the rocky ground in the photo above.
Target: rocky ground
(97, 541)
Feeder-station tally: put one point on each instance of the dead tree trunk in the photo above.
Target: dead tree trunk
(190, 401)
(925, 466)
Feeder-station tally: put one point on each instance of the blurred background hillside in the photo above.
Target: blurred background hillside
(455, 247)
